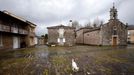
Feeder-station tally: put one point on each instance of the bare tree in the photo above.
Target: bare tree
(76, 24)
(88, 24)
(97, 22)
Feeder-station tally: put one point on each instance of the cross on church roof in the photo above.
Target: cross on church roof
(113, 5)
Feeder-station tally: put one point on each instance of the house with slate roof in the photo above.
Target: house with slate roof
(61, 35)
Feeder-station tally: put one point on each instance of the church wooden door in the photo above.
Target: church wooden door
(114, 41)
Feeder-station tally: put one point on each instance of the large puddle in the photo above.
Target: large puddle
(91, 60)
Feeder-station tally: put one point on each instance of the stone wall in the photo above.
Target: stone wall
(69, 36)
(131, 36)
(107, 32)
(80, 36)
(92, 38)
(41, 41)
(53, 36)
(7, 41)
(31, 35)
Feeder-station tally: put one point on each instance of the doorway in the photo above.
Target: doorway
(16, 42)
(61, 42)
(114, 41)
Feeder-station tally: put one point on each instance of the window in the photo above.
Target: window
(61, 32)
(114, 30)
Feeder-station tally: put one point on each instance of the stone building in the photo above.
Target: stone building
(41, 40)
(61, 35)
(92, 36)
(31, 34)
(80, 34)
(112, 33)
(131, 34)
(14, 31)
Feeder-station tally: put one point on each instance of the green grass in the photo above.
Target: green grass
(93, 59)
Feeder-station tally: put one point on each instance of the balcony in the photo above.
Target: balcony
(4, 28)
(14, 30)
(22, 31)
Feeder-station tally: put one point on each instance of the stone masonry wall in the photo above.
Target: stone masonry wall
(53, 36)
(80, 36)
(107, 33)
(131, 36)
(7, 41)
(70, 37)
(92, 38)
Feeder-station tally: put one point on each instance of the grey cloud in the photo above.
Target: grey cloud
(52, 12)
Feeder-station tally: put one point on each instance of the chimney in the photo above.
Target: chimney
(70, 23)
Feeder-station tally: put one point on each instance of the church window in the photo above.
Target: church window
(114, 30)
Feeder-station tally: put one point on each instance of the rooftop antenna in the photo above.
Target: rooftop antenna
(70, 23)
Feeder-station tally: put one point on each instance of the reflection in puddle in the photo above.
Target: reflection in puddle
(43, 60)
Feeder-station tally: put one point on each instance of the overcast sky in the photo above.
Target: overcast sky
(47, 13)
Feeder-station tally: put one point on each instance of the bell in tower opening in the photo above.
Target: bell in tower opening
(113, 13)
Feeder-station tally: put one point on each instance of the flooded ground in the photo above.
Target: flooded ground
(91, 60)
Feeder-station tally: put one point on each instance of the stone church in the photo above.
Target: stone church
(61, 35)
(114, 32)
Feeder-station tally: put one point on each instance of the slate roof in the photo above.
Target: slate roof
(60, 26)
(94, 29)
(16, 17)
(130, 27)
(85, 28)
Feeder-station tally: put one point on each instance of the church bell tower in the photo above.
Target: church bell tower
(113, 13)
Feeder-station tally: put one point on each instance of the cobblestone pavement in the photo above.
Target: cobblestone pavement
(91, 60)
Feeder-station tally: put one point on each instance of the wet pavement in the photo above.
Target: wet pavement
(91, 60)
